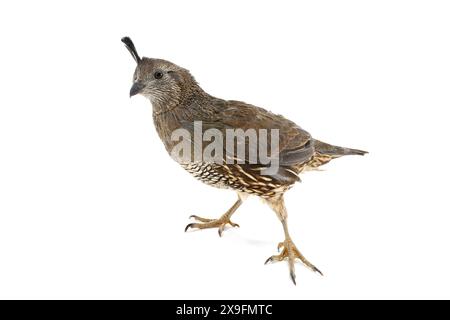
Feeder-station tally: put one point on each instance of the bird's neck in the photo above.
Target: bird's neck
(179, 100)
(168, 115)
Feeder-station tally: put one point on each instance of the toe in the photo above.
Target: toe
(234, 224)
(280, 245)
(197, 218)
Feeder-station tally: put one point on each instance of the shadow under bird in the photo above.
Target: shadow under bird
(178, 101)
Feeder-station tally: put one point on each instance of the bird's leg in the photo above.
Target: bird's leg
(220, 223)
(289, 250)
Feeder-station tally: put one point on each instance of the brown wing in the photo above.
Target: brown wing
(295, 144)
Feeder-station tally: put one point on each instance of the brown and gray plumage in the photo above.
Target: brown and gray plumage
(178, 101)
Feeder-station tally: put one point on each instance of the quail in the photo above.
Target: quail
(179, 102)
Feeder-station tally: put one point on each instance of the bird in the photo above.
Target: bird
(178, 102)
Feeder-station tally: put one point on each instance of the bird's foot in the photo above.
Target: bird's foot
(290, 252)
(204, 223)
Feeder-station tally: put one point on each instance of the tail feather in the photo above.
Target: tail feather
(335, 151)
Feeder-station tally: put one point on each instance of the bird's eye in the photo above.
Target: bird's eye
(158, 75)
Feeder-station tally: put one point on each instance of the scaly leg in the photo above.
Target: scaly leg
(290, 251)
(216, 223)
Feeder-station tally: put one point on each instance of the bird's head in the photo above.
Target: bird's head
(161, 81)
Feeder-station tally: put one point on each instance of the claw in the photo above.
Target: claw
(293, 277)
(270, 259)
(188, 226)
(318, 271)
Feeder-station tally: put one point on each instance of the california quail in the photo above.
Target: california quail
(179, 103)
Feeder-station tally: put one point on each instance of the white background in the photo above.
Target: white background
(91, 206)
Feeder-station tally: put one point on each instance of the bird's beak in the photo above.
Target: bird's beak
(136, 88)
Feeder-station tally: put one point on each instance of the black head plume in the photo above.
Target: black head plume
(130, 46)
